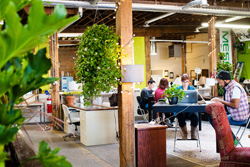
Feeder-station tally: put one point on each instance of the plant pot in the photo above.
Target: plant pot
(174, 100)
(70, 99)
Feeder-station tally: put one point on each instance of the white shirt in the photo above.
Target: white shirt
(236, 93)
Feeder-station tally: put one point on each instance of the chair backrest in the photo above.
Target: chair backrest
(66, 112)
(138, 100)
(222, 128)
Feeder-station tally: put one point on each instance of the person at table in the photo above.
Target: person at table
(146, 93)
(161, 89)
(192, 116)
(235, 99)
(159, 94)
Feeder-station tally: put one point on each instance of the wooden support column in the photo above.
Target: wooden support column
(124, 28)
(184, 58)
(212, 51)
(147, 58)
(53, 52)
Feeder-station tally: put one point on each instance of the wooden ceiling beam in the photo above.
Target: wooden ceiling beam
(68, 42)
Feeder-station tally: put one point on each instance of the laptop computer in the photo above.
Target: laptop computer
(191, 96)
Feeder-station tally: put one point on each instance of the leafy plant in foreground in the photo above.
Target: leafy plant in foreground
(20, 70)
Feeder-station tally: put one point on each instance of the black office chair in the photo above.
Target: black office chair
(140, 110)
(70, 121)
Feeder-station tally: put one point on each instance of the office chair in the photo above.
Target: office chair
(141, 111)
(242, 133)
(70, 121)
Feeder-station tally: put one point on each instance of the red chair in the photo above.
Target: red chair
(230, 156)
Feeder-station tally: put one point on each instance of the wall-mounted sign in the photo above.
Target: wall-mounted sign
(225, 44)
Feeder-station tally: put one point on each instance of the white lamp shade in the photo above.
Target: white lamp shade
(132, 73)
(177, 81)
(73, 85)
(210, 82)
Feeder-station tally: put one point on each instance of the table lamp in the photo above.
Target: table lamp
(73, 86)
(132, 73)
(177, 81)
(202, 81)
(210, 82)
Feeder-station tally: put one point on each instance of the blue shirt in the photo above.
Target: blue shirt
(189, 87)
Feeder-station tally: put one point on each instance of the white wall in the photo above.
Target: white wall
(197, 56)
(199, 53)
(162, 61)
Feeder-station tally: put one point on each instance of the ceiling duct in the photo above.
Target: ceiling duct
(202, 3)
(158, 18)
(152, 8)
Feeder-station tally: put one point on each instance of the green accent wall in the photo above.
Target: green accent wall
(139, 57)
(244, 56)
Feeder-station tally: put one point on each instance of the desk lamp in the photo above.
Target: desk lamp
(73, 86)
(202, 81)
(177, 81)
(210, 82)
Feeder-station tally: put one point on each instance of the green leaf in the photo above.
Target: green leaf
(7, 134)
(17, 39)
(9, 116)
(38, 65)
(50, 158)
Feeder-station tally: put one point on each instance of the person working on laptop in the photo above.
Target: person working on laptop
(146, 93)
(235, 99)
(192, 116)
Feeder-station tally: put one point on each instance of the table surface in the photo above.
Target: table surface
(187, 107)
(93, 107)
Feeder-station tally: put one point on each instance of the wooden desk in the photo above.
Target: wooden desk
(28, 117)
(150, 145)
(97, 124)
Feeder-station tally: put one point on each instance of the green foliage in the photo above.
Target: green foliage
(222, 65)
(21, 71)
(18, 3)
(96, 65)
(174, 92)
(50, 158)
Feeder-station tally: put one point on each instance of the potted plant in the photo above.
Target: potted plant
(174, 95)
(70, 98)
(97, 65)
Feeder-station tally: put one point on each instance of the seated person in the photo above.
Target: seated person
(146, 93)
(235, 99)
(192, 116)
(158, 95)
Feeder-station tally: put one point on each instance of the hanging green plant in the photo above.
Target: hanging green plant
(97, 63)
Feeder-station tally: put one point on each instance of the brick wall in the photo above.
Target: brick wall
(66, 55)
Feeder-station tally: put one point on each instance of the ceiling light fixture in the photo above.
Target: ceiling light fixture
(234, 18)
(202, 3)
(227, 25)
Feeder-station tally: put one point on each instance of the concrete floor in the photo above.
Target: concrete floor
(92, 156)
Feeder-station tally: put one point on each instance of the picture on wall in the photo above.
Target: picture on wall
(166, 73)
(171, 75)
